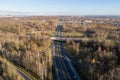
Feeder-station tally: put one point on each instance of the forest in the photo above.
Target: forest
(22, 40)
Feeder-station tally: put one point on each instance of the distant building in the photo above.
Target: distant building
(88, 21)
(15, 18)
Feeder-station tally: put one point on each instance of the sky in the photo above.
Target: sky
(62, 7)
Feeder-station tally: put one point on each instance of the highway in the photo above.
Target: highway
(69, 69)
(62, 63)
(59, 70)
(69, 66)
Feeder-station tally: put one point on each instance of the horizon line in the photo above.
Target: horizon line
(20, 13)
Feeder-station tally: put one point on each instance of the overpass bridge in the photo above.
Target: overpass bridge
(65, 39)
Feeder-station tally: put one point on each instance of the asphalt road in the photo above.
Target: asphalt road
(70, 71)
(22, 74)
(59, 50)
(57, 63)
(69, 66)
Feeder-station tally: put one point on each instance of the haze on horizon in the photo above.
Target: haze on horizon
(62, 7)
